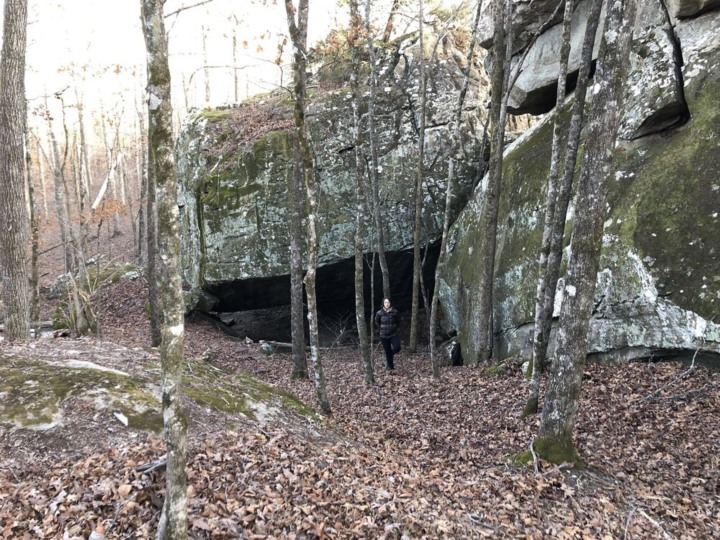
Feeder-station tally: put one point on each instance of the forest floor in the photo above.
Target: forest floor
(409, 458)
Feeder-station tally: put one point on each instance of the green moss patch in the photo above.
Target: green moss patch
(235, 393)
(32, 394)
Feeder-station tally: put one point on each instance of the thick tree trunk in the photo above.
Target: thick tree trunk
(14, 218)
(489, 214)
(173, 522)
(456, 147)
(296, 202)
(354, 40)
(554, 441)
(556, 210)
(373, 144)
(298, 35)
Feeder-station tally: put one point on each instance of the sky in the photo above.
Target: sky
(93, 51)
(98, 46)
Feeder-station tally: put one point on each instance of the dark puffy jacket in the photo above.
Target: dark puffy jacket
(387, 322)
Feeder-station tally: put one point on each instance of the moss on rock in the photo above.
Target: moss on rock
(661, 244)
(33, 392)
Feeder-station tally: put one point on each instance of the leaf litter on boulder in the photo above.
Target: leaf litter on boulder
(408, 458)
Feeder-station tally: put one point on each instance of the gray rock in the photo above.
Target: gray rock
(528, 17)
(534, 91)
(200, 300)
(682, 9)
(60, 287)
(658, 289)
(233, 188)
(654, 98)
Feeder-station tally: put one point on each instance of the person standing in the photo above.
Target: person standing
(387, 319)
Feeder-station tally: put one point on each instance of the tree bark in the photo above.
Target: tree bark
(456, 145)
(354, 39)
(152, 257)
(34, 239)
(489, 215)
(161, 168)
(418, 192)
(296, 202)
(58, 165)
(142, 175)
(14, 218)
(373, 144)
(557, 424)
(557, 203)
(298, 35)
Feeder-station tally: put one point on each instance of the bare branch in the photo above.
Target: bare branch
(185, 8)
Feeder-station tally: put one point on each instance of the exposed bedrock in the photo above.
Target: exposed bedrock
(654, 97)
(658, 288)
(235, 165)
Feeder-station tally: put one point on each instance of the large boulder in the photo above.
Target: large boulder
(529, 16)
(658, 288)
(234, 166)
(654, 97)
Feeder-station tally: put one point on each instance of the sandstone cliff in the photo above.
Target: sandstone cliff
(658, 290)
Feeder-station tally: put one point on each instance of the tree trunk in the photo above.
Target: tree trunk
(354, 39)
(34, 239)
(84, 178)
(390, 24)
(554, 441)
(296, 202)
(162, 171)
(373, 144)
(489, 215)
(57, 165)
(206, 70)
(418, 192)
(152, 255)
(556, 206)
(456, 146)
(14, 219)
(298, 35)
(142, 175)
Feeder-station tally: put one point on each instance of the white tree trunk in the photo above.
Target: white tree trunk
(173, 523)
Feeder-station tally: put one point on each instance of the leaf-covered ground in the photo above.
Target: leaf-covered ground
(409, 458)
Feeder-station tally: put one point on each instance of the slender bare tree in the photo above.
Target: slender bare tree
(355, 38)
(14, 218)
(296, 203)
(162, 171)
(557, 200)
(456, 151)
(298, 34)
(419, 181)
(374, 165)
(502, 45)
(555, 435)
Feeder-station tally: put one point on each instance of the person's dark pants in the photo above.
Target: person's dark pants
(387, 343)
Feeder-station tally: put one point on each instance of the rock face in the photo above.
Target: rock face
(690, 8)
(654, 98)
(658, 289)
(235, 164)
